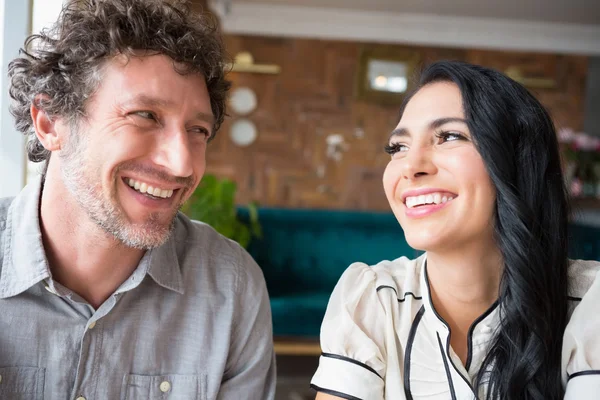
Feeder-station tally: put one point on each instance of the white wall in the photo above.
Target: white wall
(254, 18)
(18, 18)
(1, 28)
(44, 14)
(15, 16)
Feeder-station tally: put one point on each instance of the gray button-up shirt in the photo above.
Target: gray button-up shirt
(192, 322)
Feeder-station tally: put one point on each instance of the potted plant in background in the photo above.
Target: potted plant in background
(581, 155)
(213, 202)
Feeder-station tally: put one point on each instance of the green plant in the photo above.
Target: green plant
(213, 202)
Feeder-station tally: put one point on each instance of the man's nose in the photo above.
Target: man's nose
(174, 153)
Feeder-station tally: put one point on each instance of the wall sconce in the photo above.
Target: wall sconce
(516, 74)
(244, 62)
(384, 74)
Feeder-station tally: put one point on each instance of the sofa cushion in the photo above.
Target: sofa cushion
(308, 250)
(299, 314)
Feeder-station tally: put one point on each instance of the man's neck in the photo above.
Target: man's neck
(82, 257)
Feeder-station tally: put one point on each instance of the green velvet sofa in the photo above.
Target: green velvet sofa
(303, 253)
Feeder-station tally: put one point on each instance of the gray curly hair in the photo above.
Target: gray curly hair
(64, 63)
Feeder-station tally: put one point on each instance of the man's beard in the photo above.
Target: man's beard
(103, 208)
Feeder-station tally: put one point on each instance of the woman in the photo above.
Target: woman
(475, 181)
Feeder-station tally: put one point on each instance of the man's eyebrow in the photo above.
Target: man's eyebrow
(150, 101)
(436, 123)
(206, 117)
(146, 100)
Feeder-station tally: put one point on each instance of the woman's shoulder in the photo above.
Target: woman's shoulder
(581, 275)
(581, 343)
(401, 275)
(356, 333)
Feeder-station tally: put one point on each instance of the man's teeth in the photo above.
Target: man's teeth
(431, 198)
(145, 188)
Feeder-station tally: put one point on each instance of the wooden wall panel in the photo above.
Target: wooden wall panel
(313, 97)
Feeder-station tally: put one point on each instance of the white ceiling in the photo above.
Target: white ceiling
(567, 11)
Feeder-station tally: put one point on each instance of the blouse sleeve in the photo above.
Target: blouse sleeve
(352, 363)
(581, 348)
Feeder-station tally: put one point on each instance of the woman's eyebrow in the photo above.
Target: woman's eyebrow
(436, 123)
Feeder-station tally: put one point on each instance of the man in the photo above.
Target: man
(106, 291)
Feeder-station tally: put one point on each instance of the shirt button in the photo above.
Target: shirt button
(486, 329)
(165, 386)
(0, 378)
(91, 326)
(80, 398)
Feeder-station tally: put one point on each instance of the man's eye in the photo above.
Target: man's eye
(146, 115)
(198, 130)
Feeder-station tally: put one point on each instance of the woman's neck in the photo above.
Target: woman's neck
(463, 285)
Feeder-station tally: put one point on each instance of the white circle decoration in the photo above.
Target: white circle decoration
(243, 132)
(242, 100)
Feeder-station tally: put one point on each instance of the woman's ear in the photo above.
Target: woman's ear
(45, 126)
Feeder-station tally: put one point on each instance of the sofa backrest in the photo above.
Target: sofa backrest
(584, 242)
(307, 250)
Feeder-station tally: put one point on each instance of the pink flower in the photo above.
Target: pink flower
(586, 142)
(566, 135)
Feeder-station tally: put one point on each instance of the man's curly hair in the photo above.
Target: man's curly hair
(64, 63)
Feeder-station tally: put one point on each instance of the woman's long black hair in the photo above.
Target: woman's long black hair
(517, 141)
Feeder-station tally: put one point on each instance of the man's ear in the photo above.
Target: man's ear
(47, 129)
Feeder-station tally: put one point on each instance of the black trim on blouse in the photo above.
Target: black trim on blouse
(583, 373)
(400, 300)
(334, 393)
(409, 346)
(447, 368)
(470, 333)
(351, 360)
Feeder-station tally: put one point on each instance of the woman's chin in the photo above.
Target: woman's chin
(424, 242)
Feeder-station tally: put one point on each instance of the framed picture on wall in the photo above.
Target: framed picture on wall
(385, 74)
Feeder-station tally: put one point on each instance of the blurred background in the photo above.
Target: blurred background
(295, 171)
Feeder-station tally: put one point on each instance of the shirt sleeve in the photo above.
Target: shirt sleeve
(581, 348)
(352, 364)
(250, 371)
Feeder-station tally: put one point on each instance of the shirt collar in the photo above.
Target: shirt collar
(485, 324)
(431, 316)
(25, 263)
(164, 265)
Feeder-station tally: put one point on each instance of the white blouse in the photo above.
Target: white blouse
(382, 339)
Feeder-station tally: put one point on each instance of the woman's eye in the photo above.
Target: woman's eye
(394, 148)
(449, 136)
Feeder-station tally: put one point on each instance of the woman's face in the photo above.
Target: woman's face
(436, 182)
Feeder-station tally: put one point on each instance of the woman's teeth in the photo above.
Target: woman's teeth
(431, 198)
(145, 188)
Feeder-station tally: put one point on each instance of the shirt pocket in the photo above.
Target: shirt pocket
(167, 387)
(22, 383)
